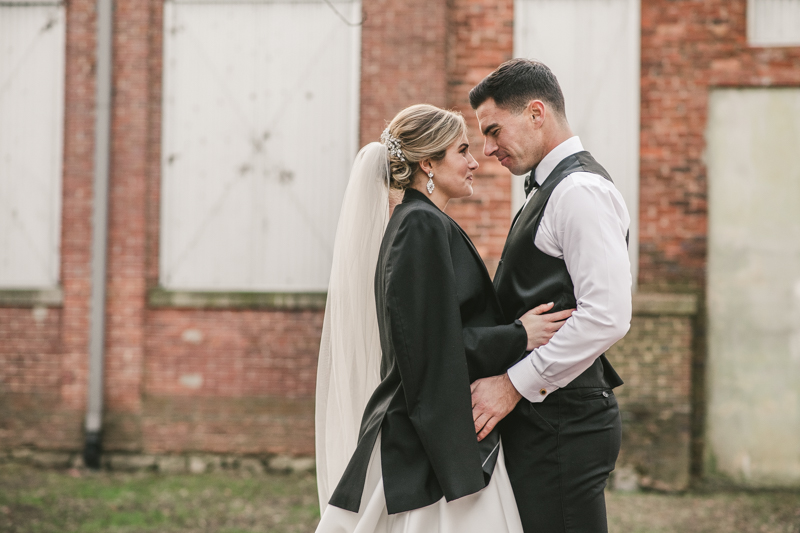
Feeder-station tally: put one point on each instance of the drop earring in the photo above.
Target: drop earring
(430, 185)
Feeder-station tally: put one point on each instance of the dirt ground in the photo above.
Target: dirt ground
(36, 500)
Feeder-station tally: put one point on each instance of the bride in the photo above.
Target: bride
(411, 320)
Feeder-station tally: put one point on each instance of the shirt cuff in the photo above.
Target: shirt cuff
(529, 382)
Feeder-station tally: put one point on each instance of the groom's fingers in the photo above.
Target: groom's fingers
(472, 388)
(480, 422)
(487, 428)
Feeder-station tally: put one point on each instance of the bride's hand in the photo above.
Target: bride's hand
(540, 327)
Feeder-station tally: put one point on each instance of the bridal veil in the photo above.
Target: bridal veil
(350, 353)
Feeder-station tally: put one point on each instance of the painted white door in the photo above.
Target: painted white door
(32, 48)
(773, 22)
(753, 371)
(260, 127)
(592, 46)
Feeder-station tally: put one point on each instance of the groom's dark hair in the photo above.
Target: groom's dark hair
(515, 83)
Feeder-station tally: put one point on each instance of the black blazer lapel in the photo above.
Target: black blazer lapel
(415, 195)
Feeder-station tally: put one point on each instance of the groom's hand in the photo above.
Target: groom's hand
(492, 399)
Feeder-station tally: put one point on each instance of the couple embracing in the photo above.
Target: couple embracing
(448, 402)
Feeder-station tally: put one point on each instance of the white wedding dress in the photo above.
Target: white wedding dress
(349, 371)
(492, 510)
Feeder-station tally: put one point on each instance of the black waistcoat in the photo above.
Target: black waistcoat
(527, 277)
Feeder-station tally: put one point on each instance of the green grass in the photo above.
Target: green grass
(34, 500)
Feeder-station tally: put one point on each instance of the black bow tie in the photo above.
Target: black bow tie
(530, 183)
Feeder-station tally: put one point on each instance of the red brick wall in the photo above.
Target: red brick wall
(29, 349)
(480, 38)
(126, 290)
(689, 47)
(76, 212)
(403, 60)
(30, 375)
(258, 372)
(238, 353)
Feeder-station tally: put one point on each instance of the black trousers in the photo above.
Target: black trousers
(559, 454)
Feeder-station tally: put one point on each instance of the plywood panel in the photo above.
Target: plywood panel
(259, 132)
(754, 286)
(773, 22)
(32, 41)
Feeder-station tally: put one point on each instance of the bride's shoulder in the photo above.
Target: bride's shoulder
(418, 212)
(420, 219)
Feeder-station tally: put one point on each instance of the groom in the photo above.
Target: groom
(556, 409)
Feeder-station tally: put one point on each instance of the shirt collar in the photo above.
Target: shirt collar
(548, 163)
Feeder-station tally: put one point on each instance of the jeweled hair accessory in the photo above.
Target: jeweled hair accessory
(392, 144)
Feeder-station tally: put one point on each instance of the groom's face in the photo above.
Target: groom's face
(513, 138)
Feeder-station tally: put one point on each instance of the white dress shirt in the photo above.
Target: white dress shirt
(584, 223)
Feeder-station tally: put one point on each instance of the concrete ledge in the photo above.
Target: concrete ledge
(165, 464)
(664, 304)
(31, 297)
(159, 297)
(42, 459)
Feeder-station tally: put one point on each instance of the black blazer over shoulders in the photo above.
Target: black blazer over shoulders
(441, 328)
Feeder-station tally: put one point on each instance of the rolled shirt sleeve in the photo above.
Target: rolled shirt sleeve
(585, 223)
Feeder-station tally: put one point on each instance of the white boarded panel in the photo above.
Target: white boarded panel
(32, 47)
(260, 123)
(592, 46)
(753, 371)
(773, 22)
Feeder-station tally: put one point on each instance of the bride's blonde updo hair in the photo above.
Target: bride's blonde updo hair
(417, 133)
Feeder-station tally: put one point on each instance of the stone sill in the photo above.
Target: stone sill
(643, 303)
(160, 297)
(660, 304)
(31, 297)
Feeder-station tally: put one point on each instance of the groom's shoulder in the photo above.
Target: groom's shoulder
(584, 191)
(586, 172)
(585, 183)
(585, 178)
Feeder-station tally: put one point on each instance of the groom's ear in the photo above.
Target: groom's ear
(536, 110)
